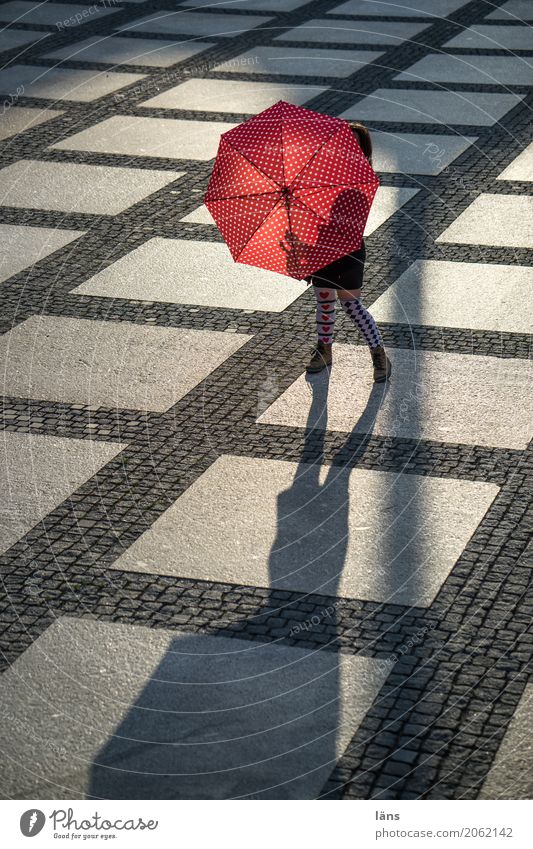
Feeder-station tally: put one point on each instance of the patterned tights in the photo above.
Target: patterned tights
(354, 309)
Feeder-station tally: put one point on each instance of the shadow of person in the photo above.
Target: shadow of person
(214, 717)
(310, 547)
(339, 234)
(296, 252)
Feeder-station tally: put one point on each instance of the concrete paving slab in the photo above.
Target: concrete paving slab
(118, 50)
(39, 472)
(388, 200)
(433, 107)
(309, 539)
(72, 187)
(480, 296)
(296, 61)
(407, 8)
(500, 220)
(250, 5)
(182, 271)
(63, 83)
(11, 38)
(162, 137)
(186, 715)
(514, 10)
(328, 31)
(196, 23)
(20, 118)
(511, 775)
(457, 398)
(110, 364)
(416, 153)
(23, 246)
(53, 14)
(493, 37)
(520, 168)
(488, 70)
(231, 96)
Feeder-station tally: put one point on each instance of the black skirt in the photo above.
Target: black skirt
(343, 273)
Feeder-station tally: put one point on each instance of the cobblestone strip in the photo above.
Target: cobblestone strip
(436, 726)
(443, 459)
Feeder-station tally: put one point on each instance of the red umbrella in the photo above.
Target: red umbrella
(291, 190)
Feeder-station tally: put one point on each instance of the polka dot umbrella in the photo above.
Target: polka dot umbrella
(291, 190)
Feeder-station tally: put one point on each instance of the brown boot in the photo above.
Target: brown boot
(382, 364)
(321, 358)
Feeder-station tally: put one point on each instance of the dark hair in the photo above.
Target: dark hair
(363, 137)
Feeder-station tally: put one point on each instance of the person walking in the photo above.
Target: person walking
(343, 278)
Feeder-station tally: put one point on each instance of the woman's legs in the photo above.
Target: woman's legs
(325, 313)
(325, 321)
(364, 320)
(361, 317)
(326, 301)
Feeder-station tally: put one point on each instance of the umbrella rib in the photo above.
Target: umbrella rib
(317, 151)
(256, 229)
(288, 206)
(251, 163)
(289, 219)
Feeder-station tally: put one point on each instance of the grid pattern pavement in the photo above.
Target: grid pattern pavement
(119, 412)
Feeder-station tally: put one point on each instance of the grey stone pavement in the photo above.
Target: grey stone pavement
(222, 579)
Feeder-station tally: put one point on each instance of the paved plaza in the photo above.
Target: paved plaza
(223, 578)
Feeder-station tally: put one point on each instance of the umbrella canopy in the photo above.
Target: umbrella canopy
(291, 190)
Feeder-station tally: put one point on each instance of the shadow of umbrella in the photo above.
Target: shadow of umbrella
(221, 718)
